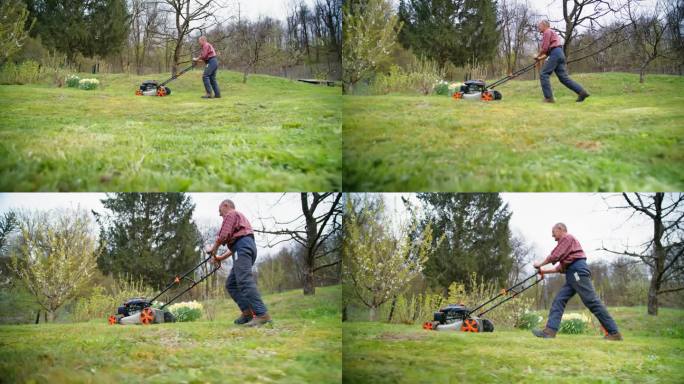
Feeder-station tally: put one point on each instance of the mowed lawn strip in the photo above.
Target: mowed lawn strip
(626, 136)
(270, 134)
(386, 353)
(304, 345)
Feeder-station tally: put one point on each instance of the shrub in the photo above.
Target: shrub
(529, 320)
(101, 304)
(72, 81)
(574, 323)
(186, 311)
(24, 73)
(88, 84)
(442, 88)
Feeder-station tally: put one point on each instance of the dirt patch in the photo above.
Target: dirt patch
(589, 145)
(389, 336)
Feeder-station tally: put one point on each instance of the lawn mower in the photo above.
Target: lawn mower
(154, 88)
(478, 90)
(139, 310)
(458, 317)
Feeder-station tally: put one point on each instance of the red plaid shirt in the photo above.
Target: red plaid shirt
(207, 52)
(549, 40)
(235, 225)
(567, 250)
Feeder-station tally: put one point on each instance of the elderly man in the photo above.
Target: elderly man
(572, 260)
(236, 232)
(208, 55)
(553, 49)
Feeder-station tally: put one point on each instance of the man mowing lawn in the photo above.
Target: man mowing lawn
(572, 260)
(236, 232)
(553, 49)
(209, 77)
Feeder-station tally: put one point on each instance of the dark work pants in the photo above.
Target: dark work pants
(556, 63)
(209, 77)
(240, 283)
(578, 280)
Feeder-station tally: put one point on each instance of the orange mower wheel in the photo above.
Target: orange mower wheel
(147, 316)
(112, 320)
(138, 92)
(487, 96)
(161, 92)
(457, 95)
(469, 325)
(427, 326)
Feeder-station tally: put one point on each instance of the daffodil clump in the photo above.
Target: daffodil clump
(72, 81)
(186, 311)
(88, 84)
(574, 323)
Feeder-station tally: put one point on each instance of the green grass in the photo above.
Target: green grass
(270, 134)
(304, 346)
(651, 353)
(626, 136)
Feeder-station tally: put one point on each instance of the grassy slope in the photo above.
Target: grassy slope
(303, 346)
(384, 353)
(626, 136)
(269, 134)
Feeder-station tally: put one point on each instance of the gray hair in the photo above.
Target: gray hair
(546, 23)
(561, 226)
(229, 203)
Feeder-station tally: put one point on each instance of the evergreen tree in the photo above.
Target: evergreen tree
(476, 237)
(456, 31)
(149, 236)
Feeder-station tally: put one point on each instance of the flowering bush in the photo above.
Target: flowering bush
(529, 320)
(442, 88)
(186, 311)
(88, 84)
(574, 323)
(72, 81)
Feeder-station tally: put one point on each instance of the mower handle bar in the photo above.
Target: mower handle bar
(512, 75)
(177, 278)
(505, 292)
(177, 75)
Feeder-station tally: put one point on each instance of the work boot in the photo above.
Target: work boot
(551, 100)
(582, 96)
(546, 333)
(244, 318)
(613, 337)
(258, 321)
(207, 97)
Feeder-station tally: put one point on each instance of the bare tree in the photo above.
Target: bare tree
(648, 31)
(189, 16)
(663, 252)
(256, 44)
(314, 230)
(586, 13)
(516, 29)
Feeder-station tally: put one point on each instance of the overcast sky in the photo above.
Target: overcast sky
(586, 215)
(285, 207)
(276, 9)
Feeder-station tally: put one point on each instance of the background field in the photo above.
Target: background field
(386, 353)
(626, 136)
(304, 346)
(269, 134)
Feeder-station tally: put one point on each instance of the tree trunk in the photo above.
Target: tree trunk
(391, 314)
(371, 314)
(38, 317)
(309, 282)
(244, 76)
(344, 313)
(641, 75)
(653, 298)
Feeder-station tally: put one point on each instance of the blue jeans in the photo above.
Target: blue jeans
(240, 283)
(578, 280)
(209, 77)
(556, 63)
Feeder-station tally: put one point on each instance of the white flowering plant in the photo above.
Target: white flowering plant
(72, 81)
(574, 323)
(529, 320)
(442, 88)
(186, 311)
(88, 84)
